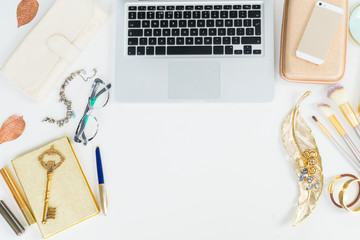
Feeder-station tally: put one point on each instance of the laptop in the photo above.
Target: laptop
(194, 51)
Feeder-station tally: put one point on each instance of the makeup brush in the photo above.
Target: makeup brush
(326, 110)
(351, 160)
(337, 94)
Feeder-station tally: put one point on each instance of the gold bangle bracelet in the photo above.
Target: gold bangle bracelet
(342, 194)
(331, 190)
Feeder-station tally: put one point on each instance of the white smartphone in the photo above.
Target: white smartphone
(320, 32)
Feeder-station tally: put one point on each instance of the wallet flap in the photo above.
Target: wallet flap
(63, 48)
(35, 57)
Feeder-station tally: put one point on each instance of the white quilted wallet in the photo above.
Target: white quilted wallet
(53, 45)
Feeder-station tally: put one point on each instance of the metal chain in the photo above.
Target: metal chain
(65, 100)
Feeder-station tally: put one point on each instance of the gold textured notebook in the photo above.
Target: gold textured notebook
(70, 200)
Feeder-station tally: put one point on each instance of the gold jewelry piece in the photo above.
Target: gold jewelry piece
(342, 194)
(68, 104)
(331, 190)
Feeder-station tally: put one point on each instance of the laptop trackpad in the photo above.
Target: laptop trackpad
(194, 80)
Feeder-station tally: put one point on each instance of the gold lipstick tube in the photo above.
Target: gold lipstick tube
(17, 196)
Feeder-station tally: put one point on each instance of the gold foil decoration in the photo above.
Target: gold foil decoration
(305, 158)
(13, 127)
(26, 11)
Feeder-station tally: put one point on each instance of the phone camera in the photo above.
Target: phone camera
(320, 3)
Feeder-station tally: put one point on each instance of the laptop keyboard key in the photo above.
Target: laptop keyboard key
(226, 40)
(231, 31)
(133, 41)
(171, 41)
(173, 23)
(235, 40)
(149, 50)
(135, 33)
(132, 15)
(131, 51)
(247, 50)
(217, 40)
(254, 14)
(208, 40)
(242, 14)
(159, 15)
(148, 32)
(240, 31)
(218, 50)
(194, 32)
(157, 32)
(143, 41)
(229, 50)
(203, 32)
(238, 23)
(140, 50)
(228, 23)
(191, 23)
(189, 41)
(221, 31)
(166, 32)
(178, 15)
(141, 15)
(224, 14)
(160, 50)
(210, 23)
(146, 24)
(134, 24)
(247, 23)
(175, 32)
(152, 41)
(180, 41)
(257, 52)
(215, 14)
(200, 23)
(182, 23)
(184, 32)
(212, 32)
(198, 41)
(155, 24)
(249, 31)
(161, 41)
(251, 40)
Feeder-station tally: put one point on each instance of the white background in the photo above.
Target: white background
(182, 171)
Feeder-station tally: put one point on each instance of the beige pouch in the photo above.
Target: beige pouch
(53, 45)
(295, 18)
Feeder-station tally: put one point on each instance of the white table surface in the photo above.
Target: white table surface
(182, 171)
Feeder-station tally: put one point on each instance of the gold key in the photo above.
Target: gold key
(50, 166)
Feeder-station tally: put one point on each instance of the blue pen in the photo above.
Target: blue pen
(102, 190)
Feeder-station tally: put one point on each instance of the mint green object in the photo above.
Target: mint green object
(354, 25)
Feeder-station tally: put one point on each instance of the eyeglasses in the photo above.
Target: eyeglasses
(88, 125)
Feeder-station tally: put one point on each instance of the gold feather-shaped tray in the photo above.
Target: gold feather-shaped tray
(306, 160)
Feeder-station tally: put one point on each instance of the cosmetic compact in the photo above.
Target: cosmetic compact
(354, 24)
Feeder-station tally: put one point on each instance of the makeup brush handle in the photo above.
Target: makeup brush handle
(357, 130)
(350, 159)
(352, 147)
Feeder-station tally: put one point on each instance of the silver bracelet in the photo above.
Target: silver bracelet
(65, 100)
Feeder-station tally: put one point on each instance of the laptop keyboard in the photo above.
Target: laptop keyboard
(201, 29)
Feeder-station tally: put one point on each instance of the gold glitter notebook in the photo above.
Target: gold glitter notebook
(69, 199)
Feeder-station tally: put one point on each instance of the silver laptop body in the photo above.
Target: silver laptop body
(190, 51)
